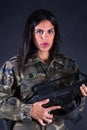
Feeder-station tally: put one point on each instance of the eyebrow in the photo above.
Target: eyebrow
(42, 29)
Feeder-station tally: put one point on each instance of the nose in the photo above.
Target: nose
(44, 35)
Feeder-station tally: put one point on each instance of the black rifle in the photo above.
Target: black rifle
(60, 92)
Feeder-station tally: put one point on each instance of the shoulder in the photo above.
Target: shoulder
(14, 60)
(68, 62)
(11, 63)
(65, 58)
(16, 65)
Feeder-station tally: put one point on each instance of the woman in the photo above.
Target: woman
(38, 61)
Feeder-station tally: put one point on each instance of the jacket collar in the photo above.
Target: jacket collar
(35, 59)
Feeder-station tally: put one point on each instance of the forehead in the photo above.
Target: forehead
(45, 24)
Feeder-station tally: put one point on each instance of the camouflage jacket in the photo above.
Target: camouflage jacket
(15, 87)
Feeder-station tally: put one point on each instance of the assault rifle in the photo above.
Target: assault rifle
(64, 91)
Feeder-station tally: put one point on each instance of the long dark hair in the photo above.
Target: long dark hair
(28, 48)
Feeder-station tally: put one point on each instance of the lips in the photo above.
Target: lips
(44, 44)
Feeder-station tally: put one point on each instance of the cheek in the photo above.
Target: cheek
(52, 39)
(36, 39)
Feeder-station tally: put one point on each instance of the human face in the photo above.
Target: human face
(44, 34)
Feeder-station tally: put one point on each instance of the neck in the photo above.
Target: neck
(44, 56)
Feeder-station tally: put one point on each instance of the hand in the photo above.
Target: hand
(42, 114)
(83, 89)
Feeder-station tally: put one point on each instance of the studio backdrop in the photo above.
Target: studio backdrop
(72, 19)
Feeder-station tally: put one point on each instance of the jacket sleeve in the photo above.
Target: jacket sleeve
(71, 63)
(11, 107)
(82, 104)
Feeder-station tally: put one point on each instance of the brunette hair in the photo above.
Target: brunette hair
(28, 48)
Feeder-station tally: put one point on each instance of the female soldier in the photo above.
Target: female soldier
(38, 61)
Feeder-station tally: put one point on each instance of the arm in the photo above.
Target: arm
(11, 107)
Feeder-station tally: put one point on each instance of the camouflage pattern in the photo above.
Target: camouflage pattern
(15, 88)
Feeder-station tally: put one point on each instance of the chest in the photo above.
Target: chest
(37, 74)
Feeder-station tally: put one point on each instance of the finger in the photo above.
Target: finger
(84, 87)
(44, 102)
(53, 108)
(50, 116)
(84, 93)
(42, 122)
(47, 120)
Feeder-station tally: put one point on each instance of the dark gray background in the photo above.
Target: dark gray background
(72, 19)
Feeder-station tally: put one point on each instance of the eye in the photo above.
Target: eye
(51, 31)
(39, 31)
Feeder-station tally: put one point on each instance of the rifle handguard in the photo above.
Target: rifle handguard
(67, 96)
